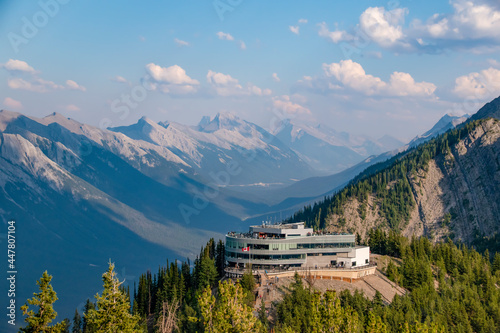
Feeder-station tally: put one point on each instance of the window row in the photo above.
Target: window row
(265, 256)
(286, 246)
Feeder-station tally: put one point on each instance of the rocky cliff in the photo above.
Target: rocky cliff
(456, 194)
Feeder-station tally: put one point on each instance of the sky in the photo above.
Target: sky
(364, 67)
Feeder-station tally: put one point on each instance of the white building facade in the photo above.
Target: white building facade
(284, 246)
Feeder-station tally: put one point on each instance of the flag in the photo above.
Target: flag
(246, 249)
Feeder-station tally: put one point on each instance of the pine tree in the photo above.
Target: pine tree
(495, 267)
(66, 325)
(227, 313)
(86, 327)
(77, 323)
(40, 321)
(113, 308)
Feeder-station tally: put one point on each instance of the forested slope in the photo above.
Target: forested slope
(448, 187)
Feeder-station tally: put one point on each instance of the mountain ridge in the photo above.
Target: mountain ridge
(448, 187)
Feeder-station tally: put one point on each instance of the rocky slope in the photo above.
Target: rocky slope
(456, 195)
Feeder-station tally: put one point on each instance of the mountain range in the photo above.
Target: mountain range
(328, 150)
(142, 193)
(448, 187)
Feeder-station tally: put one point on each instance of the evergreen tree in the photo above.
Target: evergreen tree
(86, 326)
(227, 313)
(40, 321)
(113, 308)
(77, 323)
(66, 325)
(248, 284)
(495, 267)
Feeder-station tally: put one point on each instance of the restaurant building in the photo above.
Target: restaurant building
(284, 246)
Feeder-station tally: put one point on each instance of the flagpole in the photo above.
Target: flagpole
(249, 255)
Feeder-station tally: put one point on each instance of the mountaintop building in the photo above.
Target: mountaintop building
(285, 246)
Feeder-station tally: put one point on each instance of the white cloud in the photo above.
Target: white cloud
(72, 108)
(352, 75)
(180, 42)
(243, 46)
(275, 77)
(284, 104)
(479, 85)
(494, 63)
(334, 36)
(173, 74)
(294, 29)
(224, 36)
(72, 85)
(220, 79)
(25, 77)
(226, 85)
(472, 25)
(11, 103)
(170, 80)
(14, 65)
(383, 27)
(33, 84)
(403, 84)
(303, 21)
(478, 19)
(120, 79)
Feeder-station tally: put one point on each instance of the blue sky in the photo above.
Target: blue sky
(366, 67)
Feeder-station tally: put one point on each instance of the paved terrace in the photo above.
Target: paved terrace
(322, 273)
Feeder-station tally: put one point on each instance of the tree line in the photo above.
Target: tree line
(451, 288)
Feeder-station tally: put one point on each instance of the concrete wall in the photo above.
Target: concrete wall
(348, 275)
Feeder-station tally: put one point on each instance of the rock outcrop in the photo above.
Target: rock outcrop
(456, 195)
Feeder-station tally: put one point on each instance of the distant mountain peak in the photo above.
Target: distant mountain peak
(222, 120)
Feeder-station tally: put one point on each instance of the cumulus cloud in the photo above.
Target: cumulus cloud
(72, 85)
(479, 85)
(295, 29)
(226, 85)
(170, 80)
(224, 36)
(243, 46)
(276, 77)
(471, 25)
(303, 21)
(382, 26)
(120, 79)
(470, 20)
(335, 36)
(33, 84)
(14, 65)
(284, 104)
(173, 74)
(180, 42)
(25, 77)
(351, 75)
(11, 103)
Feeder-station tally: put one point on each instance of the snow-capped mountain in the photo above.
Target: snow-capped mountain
(328, 150)
(221, 142)
(144, 192)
